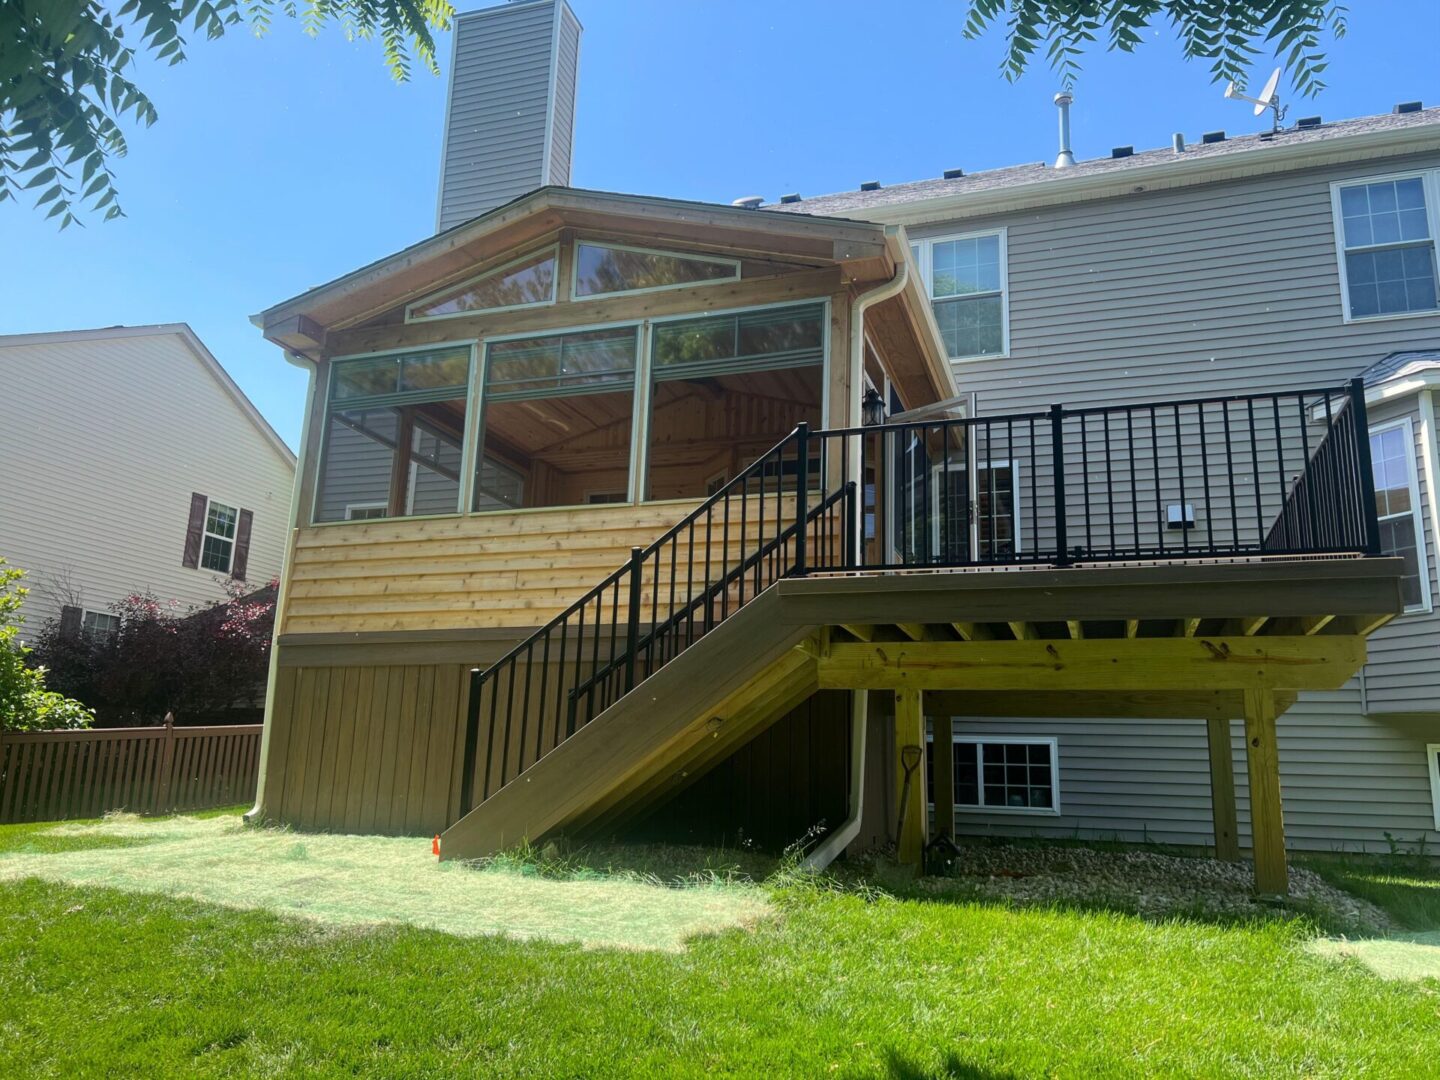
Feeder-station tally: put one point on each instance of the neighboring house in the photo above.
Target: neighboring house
(1243, 264)
(624, 458)
(133, 464)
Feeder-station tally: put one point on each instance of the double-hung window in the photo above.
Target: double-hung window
(968, 286)
(1005, 773)
(218, 546)
(1385, 229)
(1397, 504)
(99, 625)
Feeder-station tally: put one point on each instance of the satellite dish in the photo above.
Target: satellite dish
(1268, 99)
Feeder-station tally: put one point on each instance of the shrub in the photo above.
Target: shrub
(25, 703)
(195, 664)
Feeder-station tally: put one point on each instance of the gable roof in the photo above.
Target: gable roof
(1038, 183)
(1421, 365)
(197, 349)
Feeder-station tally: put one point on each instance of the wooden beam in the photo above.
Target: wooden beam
(970, 631)
(1200, 663)
(1132, 628)
(859, 631)
(910, 748)
(914, 631)
(1313, 624)
(1267, 825)
(942, 756)
(1022, 630)
(1251, 626)
(1076, 628)
(1096, 704)
(1188, 627)
(1222, 789)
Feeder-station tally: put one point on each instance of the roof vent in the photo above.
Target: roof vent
(954, 174)
(1177, 142)
(1408, 106)
(794, 196)
(1065, 158)
(1122, 151)
(1213, 137)
(750, 202)
(1305, 123)
(870, 185)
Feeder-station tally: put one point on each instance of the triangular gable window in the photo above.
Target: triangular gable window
(526, 281)
(603, 269)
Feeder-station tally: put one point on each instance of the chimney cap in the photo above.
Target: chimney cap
(1064, 97)
(749, 202)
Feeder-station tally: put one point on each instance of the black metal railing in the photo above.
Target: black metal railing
(1240, 476)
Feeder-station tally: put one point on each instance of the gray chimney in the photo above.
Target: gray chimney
(510, 114)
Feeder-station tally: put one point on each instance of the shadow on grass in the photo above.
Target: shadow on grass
(1405, 886)
(950, 1068)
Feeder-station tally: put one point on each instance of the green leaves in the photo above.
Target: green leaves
(1229, 33)
(65, 91)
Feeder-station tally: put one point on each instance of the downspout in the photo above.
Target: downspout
(829, 849)
(256, 814)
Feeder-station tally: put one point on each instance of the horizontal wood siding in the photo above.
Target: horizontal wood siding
(55, 775)
(367, 749)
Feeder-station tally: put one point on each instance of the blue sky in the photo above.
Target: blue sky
(281, 163)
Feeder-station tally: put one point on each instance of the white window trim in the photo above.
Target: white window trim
(350, 509)
(1416, 511)
(1013, 740)
(553, 251)
(1432, 757)
(720, 260)
(205, 534)
(86, 612)
(1431, 178)
(927, 266)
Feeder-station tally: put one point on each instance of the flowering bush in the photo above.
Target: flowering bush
(194, 663)
(25, 704)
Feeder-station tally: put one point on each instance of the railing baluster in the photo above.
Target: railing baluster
(1360, 424)
(802, 495)
(1057, 465)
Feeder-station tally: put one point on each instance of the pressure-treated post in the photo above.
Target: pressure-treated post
(632, 619)
(802, 494)
(1057, 468)
(1222, 790)
(1267, 826)
(942, 762)
(910, 815)
(167, 765)
(1363, 467)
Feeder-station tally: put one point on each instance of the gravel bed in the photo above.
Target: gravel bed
(1147, 883)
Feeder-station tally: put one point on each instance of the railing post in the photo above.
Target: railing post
(472, 744)
(167, 765)
(1368, 515)
(802, 495)
(1057, 464)
(632, 617)
(851, 556)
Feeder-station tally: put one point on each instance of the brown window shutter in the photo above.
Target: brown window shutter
(195, 531)
(242, 546)
(69, 620)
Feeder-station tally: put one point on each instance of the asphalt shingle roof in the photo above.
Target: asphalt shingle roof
(1401, 365)
(855, 203)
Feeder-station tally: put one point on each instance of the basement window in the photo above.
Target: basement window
(524, 282)
(605, 269)
(1003, 773)
(99, 625)
(1385, 229)
(969, 289)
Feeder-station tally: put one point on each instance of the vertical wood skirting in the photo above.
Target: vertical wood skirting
(910, 732)
(1267, 826)
(1222, 790)
(942, 756)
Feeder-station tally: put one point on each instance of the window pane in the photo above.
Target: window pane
(725, 390)
(995, 503)
(1392, 281)
(960, 267)
(215, 554)
(1391, 464)
(557, 419)
(529, 282)
(1017, 775)
(601, 270)
(971, 327)
(1385, 212)
(220, 520)
(398, 453)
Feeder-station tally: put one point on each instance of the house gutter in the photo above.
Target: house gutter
(256, 815)
(829, 849)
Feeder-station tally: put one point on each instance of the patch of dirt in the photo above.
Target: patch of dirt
(1146, 883)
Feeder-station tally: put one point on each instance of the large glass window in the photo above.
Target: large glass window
(726, 388)
(394, 436)
(1387, 234)
(1397, 503)
(558, 414)
(526, 281)
(601, 269)
(1002, 774)
(966, 278)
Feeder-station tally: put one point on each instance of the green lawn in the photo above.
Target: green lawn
(106, 981)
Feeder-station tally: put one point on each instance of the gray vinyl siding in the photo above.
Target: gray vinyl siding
(499, 112)
(567, 75)
(1346, 780)
(1228, 288)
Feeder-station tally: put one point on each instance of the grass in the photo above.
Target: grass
(104, 981)
(1406, 886)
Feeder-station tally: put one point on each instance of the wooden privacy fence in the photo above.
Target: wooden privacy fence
(53, 775)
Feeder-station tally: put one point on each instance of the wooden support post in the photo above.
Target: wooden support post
(942, 757)
(909, 806)
(1267, 826)
(164, 799)
(1222, 790)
